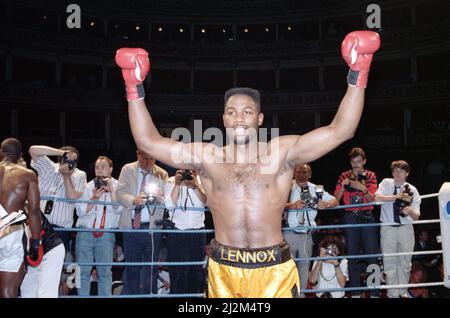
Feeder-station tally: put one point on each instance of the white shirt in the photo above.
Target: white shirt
(184, 219)
(387, 187)
(51, 184)
(157, 213)
(92, 219)
(306, 216)
(327, 278)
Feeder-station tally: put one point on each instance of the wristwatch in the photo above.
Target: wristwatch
(336, 266)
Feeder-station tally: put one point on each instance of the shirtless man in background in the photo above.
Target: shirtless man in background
(18, 185)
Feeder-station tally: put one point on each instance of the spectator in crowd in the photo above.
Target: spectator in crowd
(59, 180)
(356, 186)
(437, 275)
(182, 192)
(43, 281)
(97, 246)
(422, 244)
(140, 189)
(401, 208)
(418, 276)
(329, 274)
(306, 198)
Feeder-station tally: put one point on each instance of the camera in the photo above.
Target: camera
(319, 192)
(100, 181)
(362, 175)
(48, 207)
(405, 199)
(150, 199)
(331, 250)
(306, 197)
(186, 175)
(65, 159)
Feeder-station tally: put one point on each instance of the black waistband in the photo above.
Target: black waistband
(250, 257)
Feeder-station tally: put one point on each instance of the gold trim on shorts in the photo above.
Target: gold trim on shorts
(250, 257)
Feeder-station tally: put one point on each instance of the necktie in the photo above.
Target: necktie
(102, 223)
(396, 208)
(137, 209)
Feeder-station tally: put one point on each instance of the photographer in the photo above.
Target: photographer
(184, 191)
(356, 186)
(61, 180)
(307, 198)
(402, 207)
(330, 273)
(140, 189)
(97, 246)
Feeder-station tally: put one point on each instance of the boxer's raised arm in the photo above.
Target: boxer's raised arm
(357, 50)
(135, 67)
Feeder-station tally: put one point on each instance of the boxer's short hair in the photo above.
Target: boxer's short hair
(250, 92)
(11, 147)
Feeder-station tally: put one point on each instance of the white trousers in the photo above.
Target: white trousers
(43, 281)
(397, 268)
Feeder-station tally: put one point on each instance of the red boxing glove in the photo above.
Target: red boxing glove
(357, 49)
(36, 253)
(135, 67)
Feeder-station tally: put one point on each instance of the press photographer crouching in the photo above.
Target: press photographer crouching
(402, 207)
(307, 198)
(182, 192)
(356, 186)
(332, 273)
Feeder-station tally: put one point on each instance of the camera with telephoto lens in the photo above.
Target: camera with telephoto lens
(65, 159)
(100, 181)
(405, 199)
(186, 175)
(331, 250)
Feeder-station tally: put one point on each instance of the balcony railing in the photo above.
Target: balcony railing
(409, 94)
(426, 35)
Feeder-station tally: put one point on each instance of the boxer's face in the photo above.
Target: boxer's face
(242, 118)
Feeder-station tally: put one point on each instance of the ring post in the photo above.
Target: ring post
(444, 212)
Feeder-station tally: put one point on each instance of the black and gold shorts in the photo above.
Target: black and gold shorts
(252, 273)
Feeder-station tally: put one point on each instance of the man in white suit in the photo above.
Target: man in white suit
(141, 186)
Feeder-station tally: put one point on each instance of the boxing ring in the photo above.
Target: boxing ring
(444, 220)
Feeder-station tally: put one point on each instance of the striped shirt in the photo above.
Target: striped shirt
(92, 219)
(353, 196)
(51, 184)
